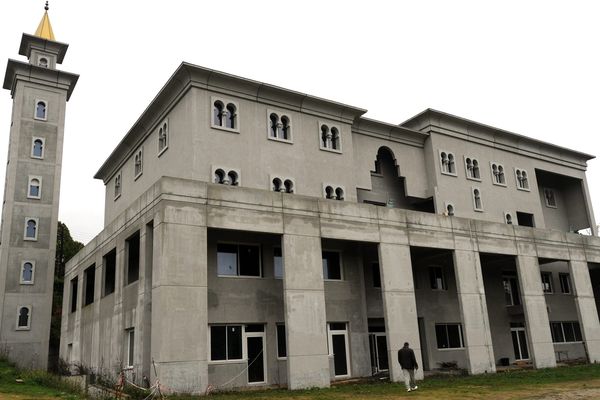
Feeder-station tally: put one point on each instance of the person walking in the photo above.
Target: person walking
(408, 362)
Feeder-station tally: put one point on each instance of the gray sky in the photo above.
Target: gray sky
(531, 67)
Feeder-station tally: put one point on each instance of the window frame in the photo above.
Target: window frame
(105, 257)
(119, 176)
(444, 287)
(564, 337)
(550, 282)
(275, 276)
(524, 189)
(29, 179)
(441, 163)
(279, 115)
(130, 354)
(38, 101)
(460, 336)
(226, 171)
(498, 165)
(277, 335)
(283, 180)
(555, 205)
(29, 308)
(342, 275)
(472, 178)
(88, 273)
(561, 276)
(225, 102)
(237, 244)
(136, 174)
(244, 356)
(335, 189)
(475, 208)
(163, 124)
(33, 140)
(329, 126)
(512, 219)
(37, 229)
(43, 57)
(446, 211)
(32, 281)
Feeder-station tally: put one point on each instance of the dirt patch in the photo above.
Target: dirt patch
(569, 394)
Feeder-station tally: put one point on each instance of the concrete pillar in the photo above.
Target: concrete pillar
(537, 324)
(305, 320)
(586, 308)
(399, 305)
(179, 299)
(473, 310)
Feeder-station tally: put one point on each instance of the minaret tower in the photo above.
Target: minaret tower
(31, 193)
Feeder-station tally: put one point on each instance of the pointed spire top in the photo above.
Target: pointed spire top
(44, 29)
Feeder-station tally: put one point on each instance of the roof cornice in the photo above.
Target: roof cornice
(18, 70)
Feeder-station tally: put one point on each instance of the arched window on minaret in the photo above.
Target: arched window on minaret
(23, 319)
(31, 229)
(40, 110)
(37, 149)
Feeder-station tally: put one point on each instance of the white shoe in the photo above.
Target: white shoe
(409, 390)
(415, 388)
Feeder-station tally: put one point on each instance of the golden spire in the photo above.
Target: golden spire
(44, 29)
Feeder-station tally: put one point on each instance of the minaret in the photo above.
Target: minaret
(31, 193)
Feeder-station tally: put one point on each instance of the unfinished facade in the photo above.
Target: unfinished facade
(259, 236)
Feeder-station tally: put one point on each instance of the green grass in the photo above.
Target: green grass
(36, 384)
(39, 384)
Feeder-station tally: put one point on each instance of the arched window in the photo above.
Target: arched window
(163, 137)
(339, 194)
(325, 136)
(451, 164)
(34, 188)
(218, 113)
(231, 122)
(27, 272)
(444, 162)
(508, 218)
(219, 176)
(525, 182)
(138, 163)
(477, 200)
(118, 185)
(23, 318)
(43, 62)
(329, 192)
(37, 149)
(277, 185)
(289, 186)
(335, 139)
(274, 125)
(501, 178)
(40, 110)
(469, 164)
(31, 229)
(450, 209)
(476, 173)
(285, 128)
(233, 178)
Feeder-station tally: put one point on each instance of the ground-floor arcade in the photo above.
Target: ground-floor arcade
(232, 287)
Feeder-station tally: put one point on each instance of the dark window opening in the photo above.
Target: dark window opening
(332, 268)
(449, 336)
(226, 342)
(525, 219)
(437, 279)
(133, 258)
(89, 278)
(110, 271)
(376, 275)
(281, 343)
(74, 284)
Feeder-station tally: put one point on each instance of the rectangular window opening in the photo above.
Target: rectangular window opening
(332, 267)
(74, 284)
(133, 258)
(89, 279)
(110, 269)
(225, 342)
(238, 260)
(281, 341)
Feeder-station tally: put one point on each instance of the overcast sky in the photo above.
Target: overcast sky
(531, 67)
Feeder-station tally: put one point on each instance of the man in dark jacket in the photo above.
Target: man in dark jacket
(408, 362)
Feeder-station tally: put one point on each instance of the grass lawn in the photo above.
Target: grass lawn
(576, 382)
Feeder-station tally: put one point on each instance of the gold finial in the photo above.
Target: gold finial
(44, 29)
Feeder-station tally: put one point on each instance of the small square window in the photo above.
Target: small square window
(332, 265)
(547, 282)
(437, 278)
(565, 283)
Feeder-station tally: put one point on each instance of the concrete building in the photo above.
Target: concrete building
(259, 236)
(31, 192)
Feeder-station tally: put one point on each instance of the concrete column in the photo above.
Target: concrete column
(537, 324)
(473, 310)
(586, 308)
(305, 320)
(179, 299)
(399, 305)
